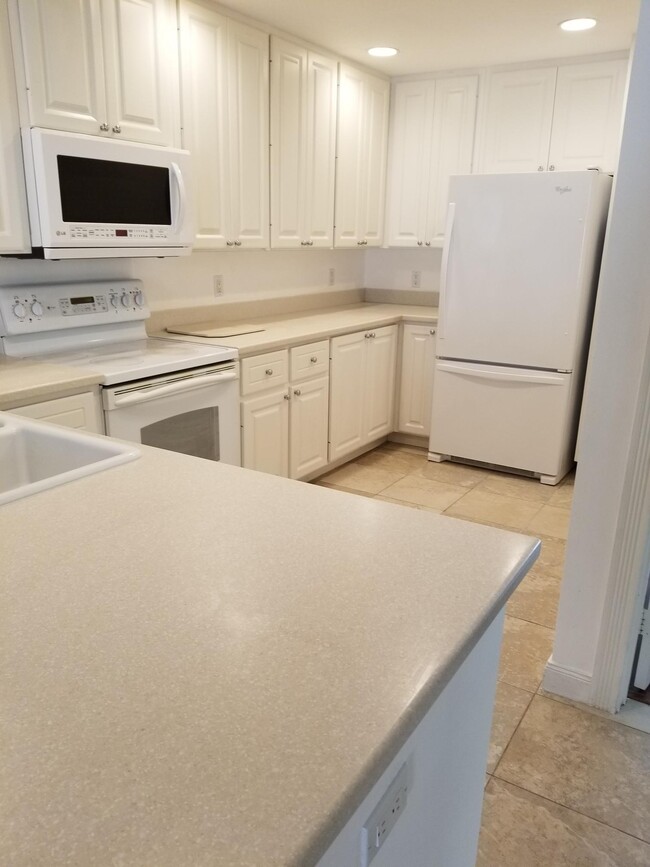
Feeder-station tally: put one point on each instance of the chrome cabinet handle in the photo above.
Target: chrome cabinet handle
(230, 243)
(359, 243)
(551, 168)
(103, 127)
(287, 397)
(310, 243)
(540, 168)
(313, 359)
(237, 243)
(367, 335)
(432, 331)
(304, 243)
(297, 392)
(428, 243)
(269, 371)
(117, 128)
(419, 243)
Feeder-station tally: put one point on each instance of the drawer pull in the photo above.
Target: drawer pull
(269, 371)
(297, 392)
(313, 359)
(432, 331)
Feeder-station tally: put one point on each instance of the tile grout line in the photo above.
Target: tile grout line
(516, 729)
(570, 809)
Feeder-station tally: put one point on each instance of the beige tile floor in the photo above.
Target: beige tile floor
(565, 787)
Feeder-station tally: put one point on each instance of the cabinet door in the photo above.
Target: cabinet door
(14, 225)
(517, 120)
(347, 384)
(78, 411)
(379, 384)
(416, 381)
(265, 433)
(204, 43)
(141, 70)
(288, 152)
(320, 151)
(410, 162)
(308, 427)
(64, 64)
(454, 118)
(248, 134)
(587, 116)
(375, 149)
(348, 226)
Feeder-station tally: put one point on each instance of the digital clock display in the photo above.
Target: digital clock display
(86, 299)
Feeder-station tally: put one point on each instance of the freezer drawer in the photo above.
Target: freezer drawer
(502, 415)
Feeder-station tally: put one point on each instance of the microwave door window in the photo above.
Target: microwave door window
(193, 433)
(107, 191)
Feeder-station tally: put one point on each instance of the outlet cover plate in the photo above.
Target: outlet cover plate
(383, 818)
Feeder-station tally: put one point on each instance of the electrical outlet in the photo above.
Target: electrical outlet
(332, 277)
(383, 818)
(416, 279)
(218, 285)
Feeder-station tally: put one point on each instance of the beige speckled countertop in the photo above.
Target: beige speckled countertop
(204, 665)
(25, 381)
(302, 327)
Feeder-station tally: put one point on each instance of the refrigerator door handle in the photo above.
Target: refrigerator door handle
(444, 295)
(480, 371)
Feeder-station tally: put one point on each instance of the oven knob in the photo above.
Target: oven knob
(126, 301)
(139, 299)
(19, 310)
(37, 308)
(115, 300)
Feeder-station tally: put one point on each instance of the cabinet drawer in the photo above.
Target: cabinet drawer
(313, 359)
(264, 371)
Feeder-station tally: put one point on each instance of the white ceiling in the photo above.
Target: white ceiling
(448, 34)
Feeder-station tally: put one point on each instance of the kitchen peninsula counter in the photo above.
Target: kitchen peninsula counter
(210, 666)
(25, 381)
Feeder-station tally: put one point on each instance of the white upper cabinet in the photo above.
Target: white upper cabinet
(360, 158)
(224, 87)
(554, 118)
(432, 137)
(303, 140)
(14, 226)
(518, 113)
(587, 117)
(102, 67)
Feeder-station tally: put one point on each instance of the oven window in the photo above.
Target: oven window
(105, 191)
(190, 433)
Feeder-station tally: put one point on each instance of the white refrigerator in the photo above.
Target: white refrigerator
(518, 281)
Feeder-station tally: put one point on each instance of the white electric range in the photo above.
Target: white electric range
(176, 395)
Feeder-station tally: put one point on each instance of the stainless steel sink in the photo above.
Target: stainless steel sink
(35, 456)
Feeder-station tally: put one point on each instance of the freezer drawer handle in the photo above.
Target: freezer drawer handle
(512, 375)
(142, 394)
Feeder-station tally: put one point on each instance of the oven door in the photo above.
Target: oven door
(195, 412)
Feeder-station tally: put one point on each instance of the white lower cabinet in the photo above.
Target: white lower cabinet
(362, 386)
(77, 411)
(285, 426)
(416, 380)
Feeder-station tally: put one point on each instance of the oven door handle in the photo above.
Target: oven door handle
(140, 395)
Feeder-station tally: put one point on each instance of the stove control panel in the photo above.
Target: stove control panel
(51, 307)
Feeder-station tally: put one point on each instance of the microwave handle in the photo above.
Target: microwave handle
(177, 174)
(140, 395)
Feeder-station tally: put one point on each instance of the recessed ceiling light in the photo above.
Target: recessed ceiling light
(574, 24)
(382, 52)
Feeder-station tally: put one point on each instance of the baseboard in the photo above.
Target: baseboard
(567, 682)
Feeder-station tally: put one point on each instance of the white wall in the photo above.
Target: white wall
(189, 280)
(620, 340)
(391, 268)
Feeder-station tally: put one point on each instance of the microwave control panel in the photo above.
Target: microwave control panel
(31, 309)
(107, 233)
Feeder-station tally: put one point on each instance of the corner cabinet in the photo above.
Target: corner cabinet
(362, 140)
(432, 138)
(553, 118)
(416, 379)
(225, 118)
(102, 67)
(362, 387)
(303, 142)
(14, 225)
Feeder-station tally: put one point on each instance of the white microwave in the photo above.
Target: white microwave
(92, 197)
